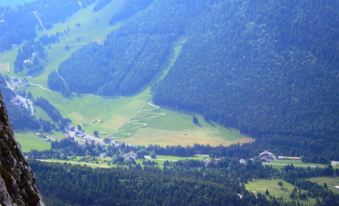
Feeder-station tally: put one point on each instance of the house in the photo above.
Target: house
(130, 156)
(243, 161)
(207, 162)
(334, 164)
(267, 156)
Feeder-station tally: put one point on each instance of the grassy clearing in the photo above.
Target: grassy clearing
(113, 112)
(29, 141)
(260, 186)
(5, 58)
(279, 164)
(330, 181)
(160, 159)
(173, 138)
(98, 164)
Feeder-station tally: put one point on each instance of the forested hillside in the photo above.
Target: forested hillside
(269, 68)
(149, 186)
(266, 70)
(130, 57)
(21, 23)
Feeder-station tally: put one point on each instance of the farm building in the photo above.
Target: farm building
(243, 161)
(130, 156)
(334, 163)
(288, 158)
(267, 156)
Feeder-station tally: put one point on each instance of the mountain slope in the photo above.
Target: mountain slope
(266, 67)
(261, 68)
(17, 184)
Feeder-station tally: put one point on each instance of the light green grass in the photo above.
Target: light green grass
(79, 163)
(160, 159)
(42, 114)
(279, 164)
(29, 141)
(261, 185)
(330, 181)
(114, 112)
(8, 56)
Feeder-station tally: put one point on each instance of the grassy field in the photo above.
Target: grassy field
(160, 159)
(29, 141)
(330, 181)
(278, 164)
(5, 58)
(260, 186)
(98, 164)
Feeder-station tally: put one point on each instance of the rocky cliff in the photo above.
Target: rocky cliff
(17, 184)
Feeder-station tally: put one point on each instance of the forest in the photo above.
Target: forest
(123, 65)
(130, 58)
(19, 24)
(179, 183)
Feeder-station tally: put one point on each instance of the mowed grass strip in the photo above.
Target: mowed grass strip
(29, 141)
(160, 159)
(80, 163)
(202, 136)
(279, 164)
(261, 185)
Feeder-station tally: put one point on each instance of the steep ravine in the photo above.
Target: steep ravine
(17, 184)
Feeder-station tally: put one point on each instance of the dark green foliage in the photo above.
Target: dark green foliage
(265, 68)
(132, 56)
(135, 186)
(52, 112)
(100, 4)
(21, 118)
(49, 39)
(123, 65)
(56, 83)
(19, 24)
(129, 8)
(29, 58)
(179, 183)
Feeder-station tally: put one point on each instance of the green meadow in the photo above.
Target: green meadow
(261, 185)
(29, 141)
(330, 181)
(279, 164)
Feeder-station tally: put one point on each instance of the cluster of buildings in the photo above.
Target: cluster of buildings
(267, 156)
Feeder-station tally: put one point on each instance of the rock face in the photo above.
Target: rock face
(17, 184)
